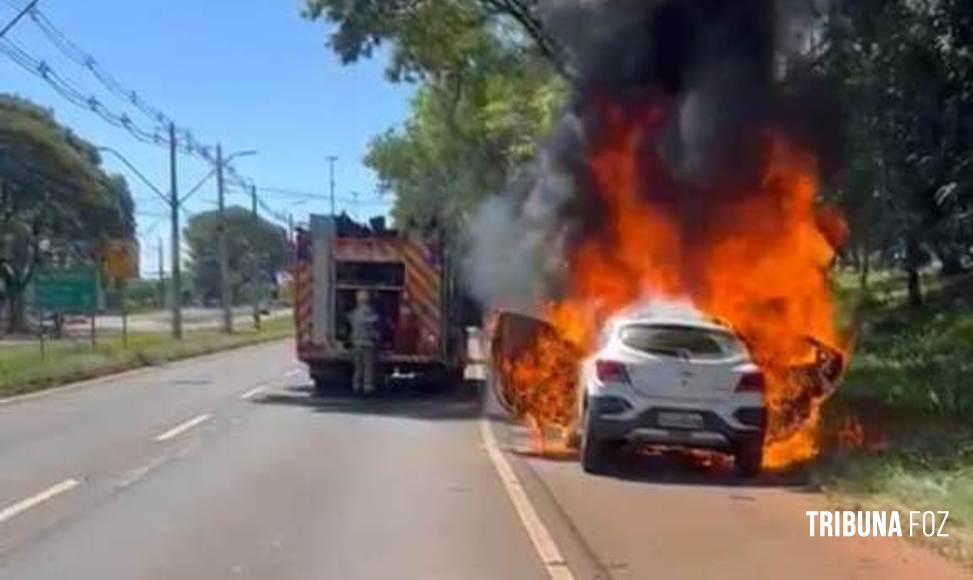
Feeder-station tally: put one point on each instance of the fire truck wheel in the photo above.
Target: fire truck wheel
(330, 379)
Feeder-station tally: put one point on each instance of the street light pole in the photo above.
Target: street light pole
(172, 199)
(331, 160)
(162, 278)
(225, 295)
(135, 171)
(256, 267)
(176, 246)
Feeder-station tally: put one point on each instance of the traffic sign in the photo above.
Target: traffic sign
(120, 259)
(73, 290)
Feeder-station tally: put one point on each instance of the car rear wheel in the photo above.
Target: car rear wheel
(596, 452)
(748, 459)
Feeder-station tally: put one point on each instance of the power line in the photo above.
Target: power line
(73, 94)
(290, 192)
(183, 138)
(151, 228)
(86, 60)
(9, 26)
(186, 143)
(246, 186)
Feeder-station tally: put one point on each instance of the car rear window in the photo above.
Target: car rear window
(680, 341)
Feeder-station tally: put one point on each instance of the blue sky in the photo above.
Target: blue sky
(249, 74)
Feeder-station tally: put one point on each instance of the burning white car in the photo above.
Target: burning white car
(675, 379)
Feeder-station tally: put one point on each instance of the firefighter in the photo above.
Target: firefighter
(364, 339)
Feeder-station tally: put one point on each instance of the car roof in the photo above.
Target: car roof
(669, 313)
(700, 323)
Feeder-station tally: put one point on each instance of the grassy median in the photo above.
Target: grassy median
(23, 369)
(910, 390)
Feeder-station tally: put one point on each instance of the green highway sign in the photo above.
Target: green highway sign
(66, 291)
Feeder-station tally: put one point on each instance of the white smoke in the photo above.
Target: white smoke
(518, 240)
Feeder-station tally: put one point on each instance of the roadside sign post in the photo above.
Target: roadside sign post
(124, 313)
(120, 262)
(68, 291)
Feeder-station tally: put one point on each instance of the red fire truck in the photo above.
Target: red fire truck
(335, 258)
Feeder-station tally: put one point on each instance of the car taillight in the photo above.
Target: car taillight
(610, 371)
(751, 383)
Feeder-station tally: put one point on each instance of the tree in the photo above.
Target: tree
(56, 203)
(253, 245)
(491, 79)
(461, 145)
(436, 37)
(905, 68)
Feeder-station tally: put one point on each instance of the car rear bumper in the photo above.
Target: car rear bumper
(617, 419)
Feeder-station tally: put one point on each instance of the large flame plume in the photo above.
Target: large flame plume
(756, 259)
(682, 177)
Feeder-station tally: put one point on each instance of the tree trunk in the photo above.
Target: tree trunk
(865, 264)
(915, 289)
(951, 263)
(912, 263)
(16, 311)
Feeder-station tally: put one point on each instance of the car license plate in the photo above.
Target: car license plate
(677, 420)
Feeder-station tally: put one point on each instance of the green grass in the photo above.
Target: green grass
(922, 468)
(910, 386)
(23, 369)
(915, 359)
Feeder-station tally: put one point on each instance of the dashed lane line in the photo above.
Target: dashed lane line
(39, 498)
(183, 427)
(253, 392)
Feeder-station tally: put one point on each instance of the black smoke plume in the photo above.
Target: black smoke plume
(723, 67)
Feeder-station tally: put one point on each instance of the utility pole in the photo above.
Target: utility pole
(256, 266)
(176, 251)
(331, 160)
(162, 278)
(225, 296)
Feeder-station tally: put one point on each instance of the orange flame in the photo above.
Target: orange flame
(754, 257)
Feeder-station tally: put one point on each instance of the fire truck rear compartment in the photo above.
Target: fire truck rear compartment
(385, 281)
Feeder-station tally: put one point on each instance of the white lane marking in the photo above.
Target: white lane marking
(253, 392)
(183, 427)
(24, 505)
(293, 373)
(544, 543)
(135, 475)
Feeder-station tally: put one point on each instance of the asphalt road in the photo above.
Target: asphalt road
(227, 467)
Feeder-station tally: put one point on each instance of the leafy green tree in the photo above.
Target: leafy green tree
(253, 245)
(56, 203)
(906, 71)
(491, 78)
(460, 146)
(435, 37)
